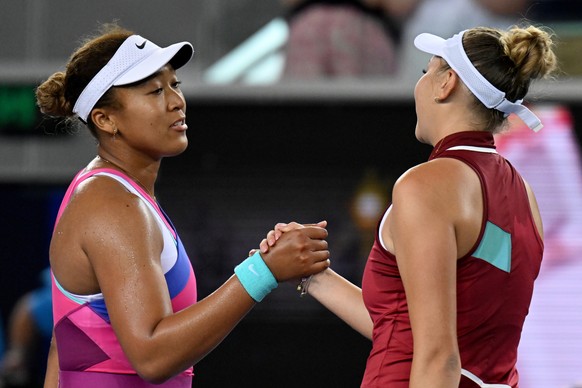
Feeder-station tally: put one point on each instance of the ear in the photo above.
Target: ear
(103, 121)
(447, 83)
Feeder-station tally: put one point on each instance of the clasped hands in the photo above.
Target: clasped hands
(293, 250)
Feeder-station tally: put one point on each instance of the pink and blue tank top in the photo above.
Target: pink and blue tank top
(90, 354)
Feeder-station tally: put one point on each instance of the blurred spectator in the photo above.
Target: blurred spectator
(342, 38)
(447, 17)
(29, 333)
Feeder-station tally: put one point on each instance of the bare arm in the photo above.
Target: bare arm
(342, 298)
(333, 291)
(422, 228)
(51, 378)
(127, 269)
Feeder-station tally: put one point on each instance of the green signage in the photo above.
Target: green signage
(18, 110)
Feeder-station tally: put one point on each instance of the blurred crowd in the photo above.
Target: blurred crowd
(24, 343)
(374, 38)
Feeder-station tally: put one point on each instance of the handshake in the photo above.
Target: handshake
(289, 252)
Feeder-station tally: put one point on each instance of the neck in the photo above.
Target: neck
(139, 175)
(449, 127)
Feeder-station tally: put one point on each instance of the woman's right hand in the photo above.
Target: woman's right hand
(294, 250)
(278, 230)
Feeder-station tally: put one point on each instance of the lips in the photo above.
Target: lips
(180, 125)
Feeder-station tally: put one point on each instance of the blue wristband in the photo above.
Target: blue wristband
(256, 277)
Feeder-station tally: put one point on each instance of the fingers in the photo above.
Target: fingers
(264, 246)
(272, 237)
(319, 261)
(319, 266)
(318, 245)
(314, 232)
(317, 257)
(308, 239)
(281, 228)
(297, 254)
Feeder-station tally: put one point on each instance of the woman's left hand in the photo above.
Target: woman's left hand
(278, 230)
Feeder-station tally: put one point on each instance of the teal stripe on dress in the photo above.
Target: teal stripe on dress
(68, 294)
(495, 247)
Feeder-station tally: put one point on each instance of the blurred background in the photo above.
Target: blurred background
(297, 110)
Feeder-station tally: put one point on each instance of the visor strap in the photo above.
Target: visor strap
(505, 106)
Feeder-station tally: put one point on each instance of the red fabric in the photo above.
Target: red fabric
(491, 304)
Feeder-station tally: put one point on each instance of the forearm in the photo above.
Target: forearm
(182, 339)
(342, 298)
(160, 343)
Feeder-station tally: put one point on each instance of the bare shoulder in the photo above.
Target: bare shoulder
(440, 195)
(103, 200)
(439, 181)
(101, 223)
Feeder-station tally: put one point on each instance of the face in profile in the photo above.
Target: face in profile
(152, 114)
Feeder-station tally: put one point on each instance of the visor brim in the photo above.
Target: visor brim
(177, 55)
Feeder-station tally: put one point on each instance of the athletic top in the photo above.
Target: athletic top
(494, 281)
(86, 340)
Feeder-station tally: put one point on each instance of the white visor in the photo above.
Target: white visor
(452, 51)
(137, 58)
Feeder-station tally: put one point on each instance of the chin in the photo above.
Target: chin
(178, 150)
(419, 136)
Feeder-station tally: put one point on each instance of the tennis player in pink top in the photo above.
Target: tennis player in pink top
(124, 291)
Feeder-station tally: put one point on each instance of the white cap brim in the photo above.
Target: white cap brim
(136, 59)
(177, 55)
(430, 44)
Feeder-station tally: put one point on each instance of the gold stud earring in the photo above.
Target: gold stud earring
(437, 100)
(114, 133)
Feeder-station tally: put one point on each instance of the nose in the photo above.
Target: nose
(176, 100)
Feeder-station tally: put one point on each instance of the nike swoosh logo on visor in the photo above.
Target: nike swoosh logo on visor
(140, 46)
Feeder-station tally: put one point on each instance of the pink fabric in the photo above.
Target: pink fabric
(83, 175)
(103, 380)
(88, 347)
